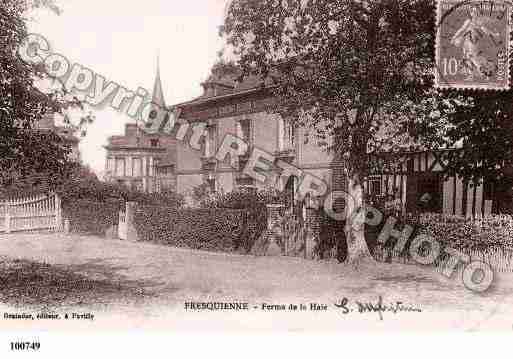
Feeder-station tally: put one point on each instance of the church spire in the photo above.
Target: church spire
(157, 103)
(158, 95)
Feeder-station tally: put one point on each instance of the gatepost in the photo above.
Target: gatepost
(274, 229)
(131, 207)
(313, 228)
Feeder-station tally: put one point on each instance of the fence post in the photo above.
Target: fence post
(274, 228)
(7, 218)
(130, 221)
(313, 229)
(67, 226)
(58, 213)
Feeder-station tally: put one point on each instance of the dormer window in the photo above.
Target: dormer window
(211, 141)
(216, 88)
(244, 131)
(286, 135)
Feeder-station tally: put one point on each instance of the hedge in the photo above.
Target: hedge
(205, 229)
(461, 233)
(91, 217)
(252, 201)
(467, 236)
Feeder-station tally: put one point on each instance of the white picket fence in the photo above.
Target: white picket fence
(42, 212)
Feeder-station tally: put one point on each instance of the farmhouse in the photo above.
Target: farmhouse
(158, 162)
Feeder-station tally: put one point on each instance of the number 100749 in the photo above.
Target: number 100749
(20, 346)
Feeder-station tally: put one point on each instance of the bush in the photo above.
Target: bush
(205, 229)
(456, 232)
(91, 189)
(91, 217)
(462, 234)
(93, 206)
(253, 202)
(331, 236)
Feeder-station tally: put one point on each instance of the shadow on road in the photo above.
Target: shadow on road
(28, 284)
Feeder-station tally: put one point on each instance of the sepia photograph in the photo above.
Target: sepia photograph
(255, 165)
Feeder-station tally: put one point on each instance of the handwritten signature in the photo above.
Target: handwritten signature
(376, 307)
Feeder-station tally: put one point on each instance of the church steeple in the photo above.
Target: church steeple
(157, 103)
(158, 95)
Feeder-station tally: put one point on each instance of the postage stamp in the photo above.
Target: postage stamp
(472, 45)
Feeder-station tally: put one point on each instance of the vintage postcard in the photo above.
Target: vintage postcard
(473, 44)
(243, 165)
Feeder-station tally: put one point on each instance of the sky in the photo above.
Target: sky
(122, 39)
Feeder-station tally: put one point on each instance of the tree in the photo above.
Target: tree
(484, 130)
(358, 72)
(29, 157)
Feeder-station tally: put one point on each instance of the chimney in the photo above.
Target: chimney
(208, 89)
(131, 130)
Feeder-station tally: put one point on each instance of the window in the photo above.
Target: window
(154, 142)
(286, 135)
(151, 166)
(409, 165)
(137, 185)
(375, 186)
(120, 167)
(430, 193)
(244, 130)
(211, 183)
(156, 162)
(488, 190)
(211, 141)
(165, 185)
(110, 165)
(137, 167)
(165, 170)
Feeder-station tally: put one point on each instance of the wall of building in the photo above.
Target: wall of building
(185, 183)
(310, 153)
(187, 159)
(265, 131)
(225, 126)
(457, 197)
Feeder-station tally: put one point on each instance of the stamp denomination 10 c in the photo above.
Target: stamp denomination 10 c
(473, 45)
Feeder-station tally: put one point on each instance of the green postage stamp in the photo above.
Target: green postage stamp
(473, 45)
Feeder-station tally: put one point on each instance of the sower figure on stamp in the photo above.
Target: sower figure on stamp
(467, 38)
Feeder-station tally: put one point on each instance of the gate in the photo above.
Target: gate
(41, 212)
(122, 225)
(294, 234)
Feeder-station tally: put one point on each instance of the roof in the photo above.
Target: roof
(235, 88)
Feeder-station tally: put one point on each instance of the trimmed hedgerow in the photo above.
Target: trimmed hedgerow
(460, 233)
(91, 217)
(205, 229)
(456, 232)
(254, 203)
